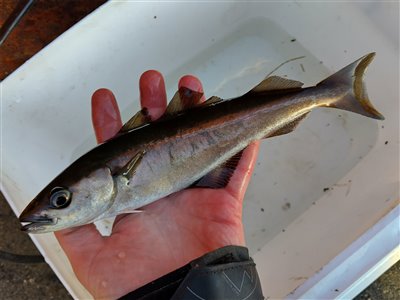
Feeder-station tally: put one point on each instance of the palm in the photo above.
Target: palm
(165, 236)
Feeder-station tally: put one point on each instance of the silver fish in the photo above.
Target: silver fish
(190, 146)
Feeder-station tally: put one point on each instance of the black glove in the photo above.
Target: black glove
(226, 273)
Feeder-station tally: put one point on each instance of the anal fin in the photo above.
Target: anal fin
(288, 127)
(220, 176)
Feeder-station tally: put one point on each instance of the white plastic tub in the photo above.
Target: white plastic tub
(295, 226)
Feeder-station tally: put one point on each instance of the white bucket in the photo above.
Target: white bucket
(313, 192)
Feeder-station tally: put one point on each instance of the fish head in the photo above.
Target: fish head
(65, 203)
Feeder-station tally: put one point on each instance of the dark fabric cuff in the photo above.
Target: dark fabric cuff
(226, 273)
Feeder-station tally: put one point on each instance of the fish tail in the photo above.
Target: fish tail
(356, 98)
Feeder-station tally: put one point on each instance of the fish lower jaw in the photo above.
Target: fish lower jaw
(40, 225)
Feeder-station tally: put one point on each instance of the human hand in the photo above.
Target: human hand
(168, 233)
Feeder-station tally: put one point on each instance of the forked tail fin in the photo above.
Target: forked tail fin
(356, 99)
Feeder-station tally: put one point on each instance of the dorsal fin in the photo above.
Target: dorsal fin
(213, 100)
(220, 176)
(288, 127)
(141, 118)
(274, 83)
(183, 99)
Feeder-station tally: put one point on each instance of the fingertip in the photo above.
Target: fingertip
(193, 83)
(106, 118)
(153, 95)
(240, 180)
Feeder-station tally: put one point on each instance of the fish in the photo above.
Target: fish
(193, 145)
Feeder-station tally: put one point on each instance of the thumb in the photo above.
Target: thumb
(80, 243)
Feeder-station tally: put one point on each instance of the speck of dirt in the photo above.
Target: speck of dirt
(382, 126)
(283, 230)
(262, 209)
(387, 142)
(328, 124)
(293, 40)
(313, 203)
(263, 230)
(155, 17)
(351, 139)
(336, 290)
(321, 62)
(286, 206)
(345, 51)
(326, 189)
(339, 116)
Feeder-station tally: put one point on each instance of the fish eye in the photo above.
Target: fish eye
(60, 197)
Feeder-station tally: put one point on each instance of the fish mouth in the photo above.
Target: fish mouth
(37, 223)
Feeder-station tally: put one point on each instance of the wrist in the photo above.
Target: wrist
(225, 273)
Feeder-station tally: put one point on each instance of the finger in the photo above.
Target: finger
(80, 243)
(193, 83)
(240, 180)
(106, 121)
(152, 93)
(106, 118)
(153, 97)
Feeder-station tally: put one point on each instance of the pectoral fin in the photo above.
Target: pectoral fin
(220, 176)
(130, 211)
(129, 169)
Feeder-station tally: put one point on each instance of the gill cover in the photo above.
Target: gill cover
(90, 196)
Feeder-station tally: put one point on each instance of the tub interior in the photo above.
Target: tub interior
(46, 103)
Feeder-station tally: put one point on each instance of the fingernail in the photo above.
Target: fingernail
(152, 93)
(106, 118)
(193, 83)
